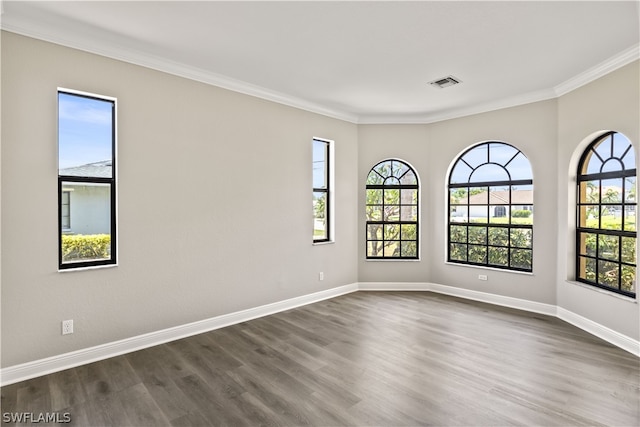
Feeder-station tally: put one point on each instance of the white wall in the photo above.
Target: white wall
(215, 204)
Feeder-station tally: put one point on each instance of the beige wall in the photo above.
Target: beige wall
(610, 103)
(215, 211)
(431, 149)
(215, 203)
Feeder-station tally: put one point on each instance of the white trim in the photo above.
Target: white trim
(623, 58)
(619, 340)
(394, 286)
(171, 67)
(25, 371)
(80, 357)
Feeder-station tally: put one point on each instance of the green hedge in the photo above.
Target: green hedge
(86, 247)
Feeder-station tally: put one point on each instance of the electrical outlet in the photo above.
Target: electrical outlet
(482, 276)
(67, 327)
(321, 276)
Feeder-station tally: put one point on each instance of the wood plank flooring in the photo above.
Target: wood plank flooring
(363, 359)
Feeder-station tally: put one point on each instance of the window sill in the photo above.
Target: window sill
(503, 270)
(92, 267)
(604, 291)
(392, 259)
(328, 242)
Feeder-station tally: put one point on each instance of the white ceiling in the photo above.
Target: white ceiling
(362, 61)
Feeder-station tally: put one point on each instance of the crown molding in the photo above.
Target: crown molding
(623, 58)
(164, 65)
(58, 36)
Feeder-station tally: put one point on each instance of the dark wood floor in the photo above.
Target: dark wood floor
(363, 359)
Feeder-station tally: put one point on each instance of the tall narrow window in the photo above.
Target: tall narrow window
(321, 190)
(606, 215)
(491, 208)
(392, 211)
(86, 180)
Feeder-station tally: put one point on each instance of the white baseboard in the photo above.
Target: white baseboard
(619, 340)
(61, 362)
(84, 356)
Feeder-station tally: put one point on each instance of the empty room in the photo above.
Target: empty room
(319, 213)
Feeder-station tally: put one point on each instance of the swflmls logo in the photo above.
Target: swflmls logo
(32, 417)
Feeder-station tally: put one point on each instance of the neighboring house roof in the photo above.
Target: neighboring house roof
(501, 197)
(101, 169)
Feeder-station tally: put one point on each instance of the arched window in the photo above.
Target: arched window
(392, 211)
(491, 208)
(606, 215)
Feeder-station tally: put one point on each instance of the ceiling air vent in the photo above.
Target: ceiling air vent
(445, 82)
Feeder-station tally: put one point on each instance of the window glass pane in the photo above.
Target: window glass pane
(89, 236)
(621, 144)
(479, 214)
(587, 269)
(499, 195)
(320, 164)
(589, 216)
(498, 215)
(522, 214)
(374, 213)
(408, 231)
(628, 279)
(611, 191)
(499, 256)
(409, 249)
(604, 148)
(590, 191)
(374, 231)
(460, 173)
(498, 236)
(374, 249)
(587, 243)
(489, 173)
(383, 169)
(391, 196)
(521, 258)
(592, 163)
(608, 273)
(630, 218)
(392, 232)
(628, 250)
(398, 169)
(374, 179)
(320, 215)
(519, 168)
(374, 197)
(478, 254)
(458, 214)
(391, 249)
(66, 210)
(477, 155)
(458, 252)
(630, 189)
(478, 235)
(409, 197)
(458, 233)
(608, 247)
(409, 213)
(458, 196)
(409, 178)
(479, 195)
(85, 136)
(612, 165)
(611, 217)
(391, 213)
(501, 153)
(521, 237)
